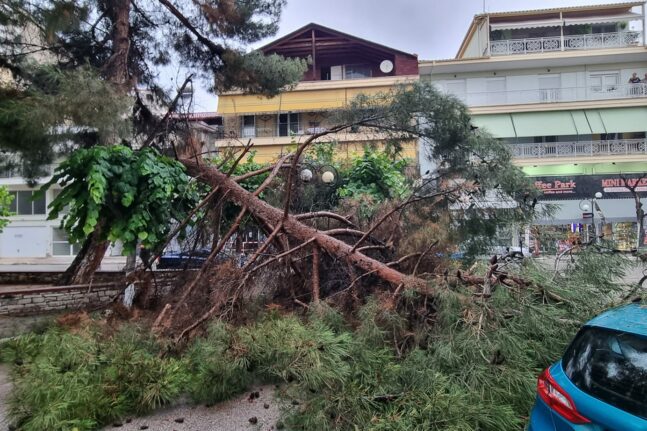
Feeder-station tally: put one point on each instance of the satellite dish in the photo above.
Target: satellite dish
(386, 66)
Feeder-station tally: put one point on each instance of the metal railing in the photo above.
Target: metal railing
(570, 43)
(268, 132)
(579, 149)
(553, 95)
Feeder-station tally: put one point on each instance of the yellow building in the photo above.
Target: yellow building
(341, 67)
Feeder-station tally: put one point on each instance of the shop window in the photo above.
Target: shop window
(25, 204)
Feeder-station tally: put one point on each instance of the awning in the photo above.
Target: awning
(526, 24)
(595, 121)
(581, 123)
(621, 120)
(498, 125)
(602, 19)
(528, 124)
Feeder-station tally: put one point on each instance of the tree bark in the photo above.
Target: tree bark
(88, 261)
(295, 229)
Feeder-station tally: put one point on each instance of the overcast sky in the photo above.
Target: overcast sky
(433, 29)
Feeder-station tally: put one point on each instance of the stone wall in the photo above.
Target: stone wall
(44, 300)
(28, 298)
(51, 277)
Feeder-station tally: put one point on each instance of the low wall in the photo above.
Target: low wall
(46, 300)
(51, 277)
(34, 297)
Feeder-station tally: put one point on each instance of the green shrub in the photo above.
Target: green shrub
(64, 381)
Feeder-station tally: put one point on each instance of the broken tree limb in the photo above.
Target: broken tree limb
(262, 248)
(422, 256)
(277, 257)
(248, 147)
(315, 274)
(294, 228)
(325, 214)
(257, 172)
(207, 263)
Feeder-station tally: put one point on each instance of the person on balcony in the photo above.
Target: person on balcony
(635, 87)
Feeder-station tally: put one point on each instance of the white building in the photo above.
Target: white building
(555, 84)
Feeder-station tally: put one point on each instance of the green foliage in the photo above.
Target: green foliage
(64, 381)
(263, 74)
(218, 367)
(5, 203)
(473, 367)
(244, 167)
(137, 193)
(376, 174)
(441, 364)
(57, 108)
(285, 348)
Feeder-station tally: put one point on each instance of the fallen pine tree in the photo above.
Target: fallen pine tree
(410, 364)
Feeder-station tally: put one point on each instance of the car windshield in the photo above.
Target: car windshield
(611, 366)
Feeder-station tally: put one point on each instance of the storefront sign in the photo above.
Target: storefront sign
(586, 186)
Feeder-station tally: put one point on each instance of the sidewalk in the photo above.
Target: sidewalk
(56, 264)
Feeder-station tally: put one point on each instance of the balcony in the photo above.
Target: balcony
(554, 95)
(620, 147)
(570, 43)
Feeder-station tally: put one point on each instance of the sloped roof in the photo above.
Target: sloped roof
(275, 45)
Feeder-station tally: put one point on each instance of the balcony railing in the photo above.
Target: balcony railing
(570, 43)
(545, 150)
(554, 95)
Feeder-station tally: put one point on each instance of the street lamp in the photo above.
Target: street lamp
(326, 174)
(592, 205)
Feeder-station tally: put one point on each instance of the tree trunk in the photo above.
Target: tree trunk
(116, 68)
(91, 254)
(295, 228)
(88, 260)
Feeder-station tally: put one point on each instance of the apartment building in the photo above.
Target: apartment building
(341, 67)
(566, 88)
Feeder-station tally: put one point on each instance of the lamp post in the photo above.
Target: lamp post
(592, 205)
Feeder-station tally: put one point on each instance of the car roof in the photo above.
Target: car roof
(627, 318)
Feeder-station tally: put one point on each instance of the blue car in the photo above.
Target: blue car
(600, 384)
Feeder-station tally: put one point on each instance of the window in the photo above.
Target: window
(549, 88)
(288, 124)
(315, 127)
(357, 72)
(61, 244)
(604, 82)
(457, 88)
(326, 74)
(495, 91)
(611, 366)
(248, 126)
(24, 204)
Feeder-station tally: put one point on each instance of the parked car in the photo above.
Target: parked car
(600, 384)
(181, 259)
